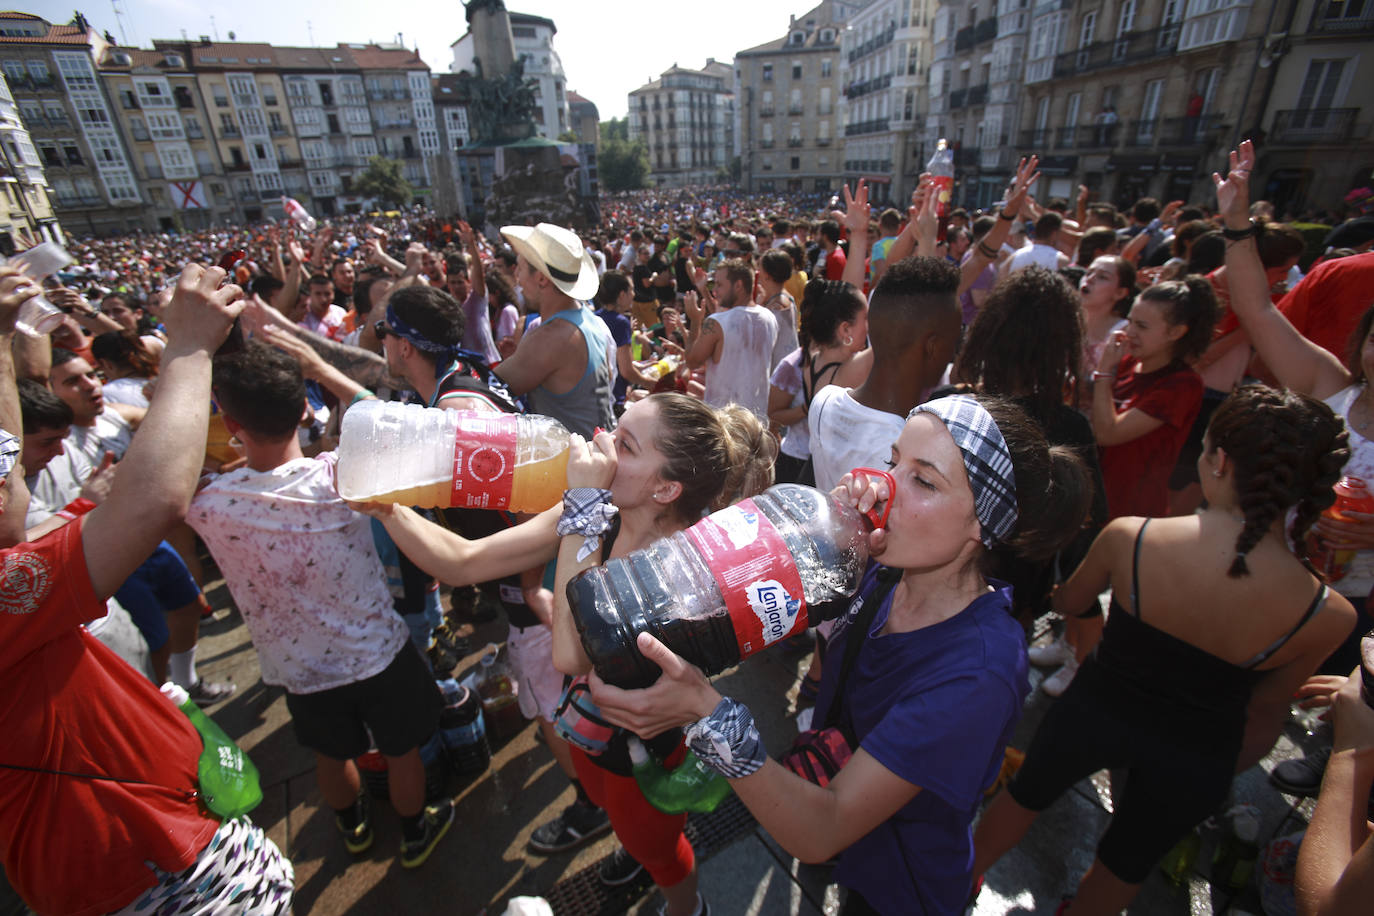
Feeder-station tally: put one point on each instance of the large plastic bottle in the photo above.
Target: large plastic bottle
(298, 214)
(941, 168)
(736, 582)
(664, 366)
(498, 690)
(227, 779)
(1352, 495)
(688, 787)
(428, 457)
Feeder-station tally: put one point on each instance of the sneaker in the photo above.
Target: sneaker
(207, 693)
(1051, 656)
(438, 818)
(619, 868)
(579, 823)
(357, 839)
(1302, 776)
(441, 660)
(1057, 683)
(703, 908)
(454, 644)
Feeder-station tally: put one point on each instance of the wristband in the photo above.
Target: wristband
(988, 251)
(727, 741)
(1098, 376)
(1236, 235)
(1002, 214)
(77, 507)
(586, 511)
(361, 396)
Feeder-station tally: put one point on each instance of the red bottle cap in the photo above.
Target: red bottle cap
(876, 520)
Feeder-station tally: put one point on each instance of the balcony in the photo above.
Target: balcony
(876, 84)
(278, 131)
(977, 95)
(1097, 136)
(290, 163)
(877, 42)
(71, 202)
(766, 111)
(794, 141)
(387, 95)
(985, 31)
(226, 133)
(195, 133)
(1131, 48)
(1312, 125)
(1328, 18)
(138, 134)
(963, 39)
(794, 109)
(822, 141)
(153, 171)
(1064, 137)
(1142, 133)
(958, 98)
(874, 126)
(1199, 131)
(237, 167)
(965, 158)
(1036, 139)
(766, 144)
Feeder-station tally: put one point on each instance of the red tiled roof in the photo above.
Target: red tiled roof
(373, 57)
(57, 34)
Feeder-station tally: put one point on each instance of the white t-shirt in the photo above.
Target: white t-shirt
(58, 483)
(304, 571)
(1036, 255)
(109, 433)
(846, 435)
(741, 376)
(1359, 579)
(128, 390)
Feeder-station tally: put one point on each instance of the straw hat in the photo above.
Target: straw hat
(557, 253)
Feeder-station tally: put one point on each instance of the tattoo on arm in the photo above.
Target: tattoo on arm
(362, 366)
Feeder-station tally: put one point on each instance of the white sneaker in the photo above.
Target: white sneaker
(1051, 656)
(1057, 683)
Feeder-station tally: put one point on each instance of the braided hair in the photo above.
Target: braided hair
(825, 305)
(1287, 451)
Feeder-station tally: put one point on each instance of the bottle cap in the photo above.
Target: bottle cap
(637, 753)
(874, 519)
(176, 693)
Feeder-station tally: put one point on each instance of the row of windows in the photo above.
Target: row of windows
(798, 70)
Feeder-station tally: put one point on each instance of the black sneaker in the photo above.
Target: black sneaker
(357, 839)
(438, 818)
(577, 824)
(1303, 776)
(619, 868)
(459, 646)
(441, 660)
(207, 693)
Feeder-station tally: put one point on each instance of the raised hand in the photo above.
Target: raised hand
(201, 310)
(1233, 192)
(1026, 175)
(312, 364)
(15, 290)
(856, 211)
(591, 464)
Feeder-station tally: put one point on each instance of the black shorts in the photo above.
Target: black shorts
(400, 706)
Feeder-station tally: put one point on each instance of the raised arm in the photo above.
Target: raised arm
(854, 218)
(477, 274)
(590, 464)
(366, 368)
(990, 245)
(456, 560)
(1297, 362)
(15, 290)
(159, 472)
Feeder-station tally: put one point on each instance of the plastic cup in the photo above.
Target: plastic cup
(38, 317)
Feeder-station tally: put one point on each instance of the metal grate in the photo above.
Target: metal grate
(583, 894)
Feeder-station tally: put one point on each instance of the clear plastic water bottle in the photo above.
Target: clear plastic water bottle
(941, 168)
(665, 366)
(299, 215)
(462, 729)
(740, 580)
(429, 457)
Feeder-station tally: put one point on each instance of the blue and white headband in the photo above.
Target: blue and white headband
(10, 447)
(986, 459)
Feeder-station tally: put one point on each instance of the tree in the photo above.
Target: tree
(622, 163)
(569, 136)
(384, 182)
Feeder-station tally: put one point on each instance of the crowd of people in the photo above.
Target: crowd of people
(1153, 405)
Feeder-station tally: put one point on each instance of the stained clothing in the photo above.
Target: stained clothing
(741, 375)
(1169, 712)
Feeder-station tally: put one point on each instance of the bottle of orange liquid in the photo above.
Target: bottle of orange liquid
(1352, 495)
(432, 458)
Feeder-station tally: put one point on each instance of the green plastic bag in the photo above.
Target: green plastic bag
(689, 787)
(229, 784)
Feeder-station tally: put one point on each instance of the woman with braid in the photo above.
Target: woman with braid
(1214, 623)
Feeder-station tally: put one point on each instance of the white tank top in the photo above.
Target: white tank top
(741, 376)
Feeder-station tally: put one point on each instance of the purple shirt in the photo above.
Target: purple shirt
(477, 328)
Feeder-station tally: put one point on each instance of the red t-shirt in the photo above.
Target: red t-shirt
(1136, 473)
(1326, 306)
(71, 845)
(834, 264)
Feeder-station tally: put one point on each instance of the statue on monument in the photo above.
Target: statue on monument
(473, 6)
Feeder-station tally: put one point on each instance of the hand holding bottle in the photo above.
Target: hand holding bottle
(680, 696)
(591, 464)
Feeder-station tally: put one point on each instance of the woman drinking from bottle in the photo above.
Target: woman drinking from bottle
(671, 460)
(939, 675)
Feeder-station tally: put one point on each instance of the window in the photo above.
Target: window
(767, 73)
(39, 71)
(827, 68)
(796, 70)
(55, 112)
(1149, 111)
(14, 71)
(73, 155)
(796, 162)
(1319, 85)
(274, 122)
(1071, 112)
(1086, 29)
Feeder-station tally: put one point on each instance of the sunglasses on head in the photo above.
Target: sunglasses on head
(381, 329)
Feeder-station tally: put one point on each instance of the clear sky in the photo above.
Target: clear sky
(608, 47)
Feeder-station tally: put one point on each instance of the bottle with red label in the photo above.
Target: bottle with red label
(941, 168)
(434, 458)
(740, 580)
(299, 215)
(1352, 495)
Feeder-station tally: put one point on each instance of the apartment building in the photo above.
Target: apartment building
(887, 50)
(686, 119)
(51, 73)
(402, 106)
(171, 145)
(533, 38)
(1314, 140)
(976, 93)
(788, 94)
(25, 209)
(1135, 99)
(584, 118)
